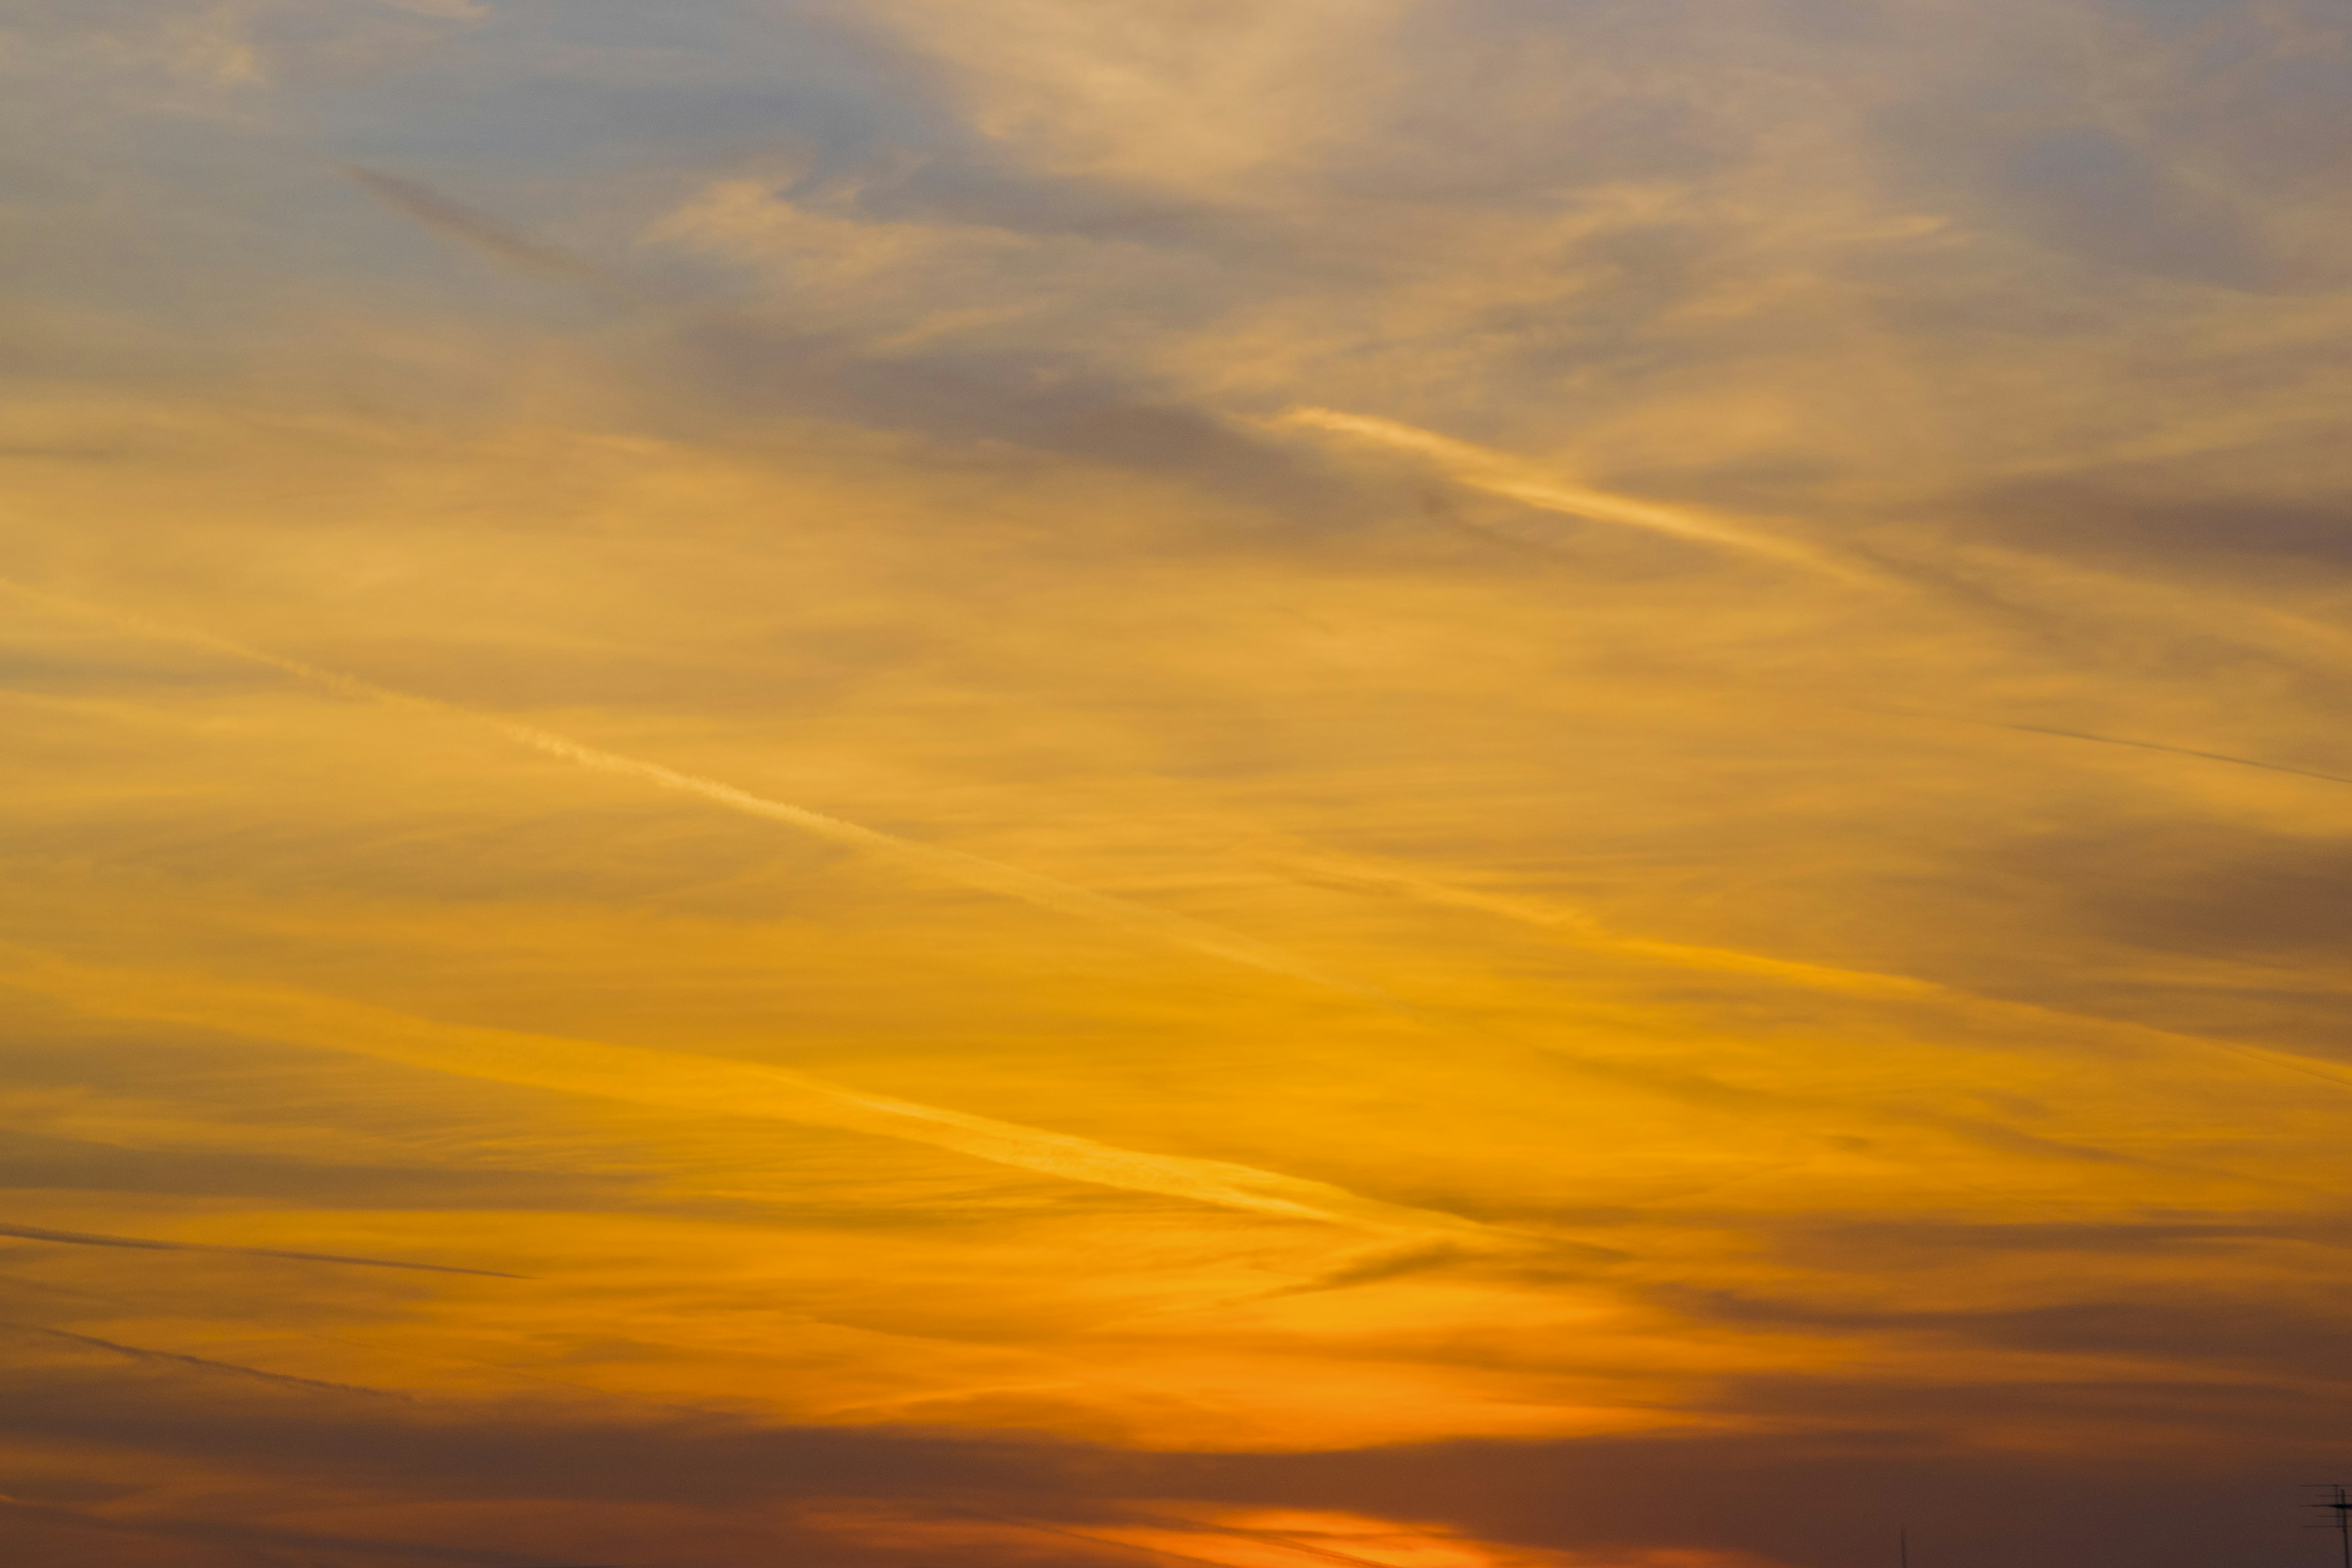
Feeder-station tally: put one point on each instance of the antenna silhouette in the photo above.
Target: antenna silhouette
(2339, 1502)
(1902, 1543)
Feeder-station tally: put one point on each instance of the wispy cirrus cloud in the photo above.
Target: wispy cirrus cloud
(1281, 1025)
(80, 1238)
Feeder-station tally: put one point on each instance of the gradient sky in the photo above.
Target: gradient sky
(1061, 784)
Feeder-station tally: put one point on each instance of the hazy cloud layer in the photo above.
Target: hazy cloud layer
(1253, 784)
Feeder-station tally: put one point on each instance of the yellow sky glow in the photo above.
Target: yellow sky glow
(1258, 785)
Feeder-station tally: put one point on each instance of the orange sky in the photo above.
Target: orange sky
(1471, 785)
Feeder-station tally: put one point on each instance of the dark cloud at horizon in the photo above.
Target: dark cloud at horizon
(1723, 1492)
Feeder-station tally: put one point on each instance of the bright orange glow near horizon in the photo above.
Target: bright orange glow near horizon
(1473, 785)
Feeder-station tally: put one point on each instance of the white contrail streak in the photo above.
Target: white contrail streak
(1499, 473)
(701, 1086)
(951, 865)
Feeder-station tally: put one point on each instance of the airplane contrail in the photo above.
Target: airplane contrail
(1471, 466)
(1587, 931)
(142, 1352)
(89, 1238)
(1349, 871)
(1499, 473)
(707, 1085)
(1075, 1158)
(2147, 746)
(991, 876)
(953, 865)
(371, 1347)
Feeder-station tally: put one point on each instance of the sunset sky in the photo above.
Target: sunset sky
(1065, 783)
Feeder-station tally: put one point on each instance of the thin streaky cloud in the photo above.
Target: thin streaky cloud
(455, 220)
(1329, 1553)
(1026, 887)
(974, 871)
(87, 1238)
(1076, 1159)
(378, 1348)
(952, 865)
(1165, 1553)
(955, 865)
(969, 870)
(1190, 1526)
(1587, 930)
(1501, 474)
(202, 1364)
(705, 1086)
(2166, 747)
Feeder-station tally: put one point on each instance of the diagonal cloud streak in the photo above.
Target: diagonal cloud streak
(1586, 931)
(974, 871)
(457, 221)
(704, 1085)
(203, 1364)
(87, 1238)
(1075, 1158)
(2162, 746)
(1052, 1153)
(1278, 1537)
(1166, 1554)
(1500, 474)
